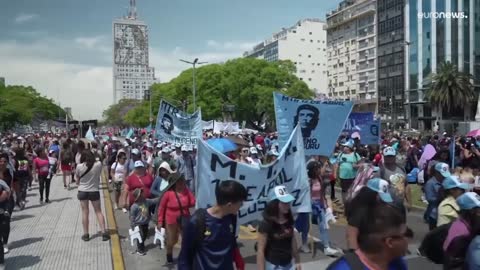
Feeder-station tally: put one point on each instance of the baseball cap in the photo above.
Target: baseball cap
(166, 150)
(468, 200)
(189, 148)
(139, 164)
(348, 144)
(381, 187)
(184, 148)
(178, 145)
(443, 169)
(389, 151)
(126, 144)
(280, 193)
(135, 151)
(453, 182)
(253, 150)
(167, 167)
(259, 147)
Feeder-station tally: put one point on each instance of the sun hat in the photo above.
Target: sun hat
(381, 187)
(166, 166)
(468, 200)
(173, 179)
(280, 193)
(453, 182)
(389, 151)
(139, 164)
(443, 169)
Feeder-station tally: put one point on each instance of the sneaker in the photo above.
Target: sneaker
(305, 249)
(251, 228)
(41, 200)
(328, 251)
(124, 210)
(47, 201)
(169, 259)
(65, 186)
(105, 236)
(141, 253)
(85, 237)
(22, 205)
(5, 250)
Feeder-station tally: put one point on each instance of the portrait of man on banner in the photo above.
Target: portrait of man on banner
(307, 118)
(167, 124)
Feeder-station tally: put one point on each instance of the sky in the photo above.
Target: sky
(63, 48)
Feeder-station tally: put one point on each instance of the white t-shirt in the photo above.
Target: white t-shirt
(90, 181)
(120, 171)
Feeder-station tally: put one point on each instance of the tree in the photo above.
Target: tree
(246, 83)
(115, 114)
(449, 88)
(23, 105)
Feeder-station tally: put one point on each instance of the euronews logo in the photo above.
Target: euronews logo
(442, 15)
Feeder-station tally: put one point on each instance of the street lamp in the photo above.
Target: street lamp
(195, 62)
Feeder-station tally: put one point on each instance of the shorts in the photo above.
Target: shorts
(345, 184)
(66, 167)
(117, 186)
(88, 195)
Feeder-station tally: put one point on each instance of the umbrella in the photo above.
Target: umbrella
(474, 133)
(222, 145)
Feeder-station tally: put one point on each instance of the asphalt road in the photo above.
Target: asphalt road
(155, 257)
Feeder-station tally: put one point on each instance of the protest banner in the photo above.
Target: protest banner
(370, 132)
(175, 126)
(289, 170)
(355, 119)
(229, 127)
(321, 122)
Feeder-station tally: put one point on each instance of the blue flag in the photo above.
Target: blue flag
(452, 152)
(321, 122)
(130, 133)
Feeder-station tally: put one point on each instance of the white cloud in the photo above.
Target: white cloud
(83, 80)
(96, 42)
(23, 18)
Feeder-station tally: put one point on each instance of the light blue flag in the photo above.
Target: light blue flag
(452, 152)
(370, 132)
(175, 126)
(89, 135)
(149, 128)
(320, 121)
(130, 133)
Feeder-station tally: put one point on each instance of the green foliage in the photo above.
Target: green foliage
(449, 88)
(116, 113)
(22, 105)
(246, 83)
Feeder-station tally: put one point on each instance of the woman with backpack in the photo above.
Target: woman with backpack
(88, 173)
(277, 246)
(66, 164)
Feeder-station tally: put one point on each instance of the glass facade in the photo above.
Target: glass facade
(476, 51)
(413, 45)
(441, 35)
(466, 37)
(454, 33)
(426, 40)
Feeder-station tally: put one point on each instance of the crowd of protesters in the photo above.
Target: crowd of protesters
(154, 182)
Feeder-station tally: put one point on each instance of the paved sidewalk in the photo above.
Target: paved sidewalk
(48, 236)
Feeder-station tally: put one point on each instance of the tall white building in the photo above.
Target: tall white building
(132, 75)
(305, 45)
(351, 48)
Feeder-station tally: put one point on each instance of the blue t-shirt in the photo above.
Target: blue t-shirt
(216, 249)
(397, 264)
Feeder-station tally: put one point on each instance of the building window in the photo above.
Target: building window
(302, 39)
(300, 55)
(309, 56)
(310, 79)
(311, 40)
(310, 33)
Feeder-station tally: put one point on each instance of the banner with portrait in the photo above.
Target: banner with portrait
(370, 132)
(288, 170)
(321, 122)
(176, 126)
(355, 119)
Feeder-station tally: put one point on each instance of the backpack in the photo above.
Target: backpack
(201, 227)
(352, 260)
(432, 244)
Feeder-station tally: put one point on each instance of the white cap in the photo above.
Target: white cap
(178, 145)
(149, 145)
(139, 164)
(135, 151)
(189, 148)
(253, 150)
(114, 138)
(166, 150)
(125, 144)
(184, 148)
(167, 167)
(259, 147)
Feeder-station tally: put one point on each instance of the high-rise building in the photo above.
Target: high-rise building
(351, 52)
(391, 62)
(437, 31)
(2, 81)
(305, 45)
(132, 75)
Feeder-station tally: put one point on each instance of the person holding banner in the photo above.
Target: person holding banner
(277, 246)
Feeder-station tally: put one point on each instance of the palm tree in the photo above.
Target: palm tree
(449, 88)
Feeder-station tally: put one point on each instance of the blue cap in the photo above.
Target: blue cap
(280, 193)
(381, 187)
(348, 144)
(468, 200)
(389, 151)
(453, 182)
(443, 169)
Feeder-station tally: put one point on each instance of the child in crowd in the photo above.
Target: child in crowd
(140, 216)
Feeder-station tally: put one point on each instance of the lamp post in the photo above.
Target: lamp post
(194, 63)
